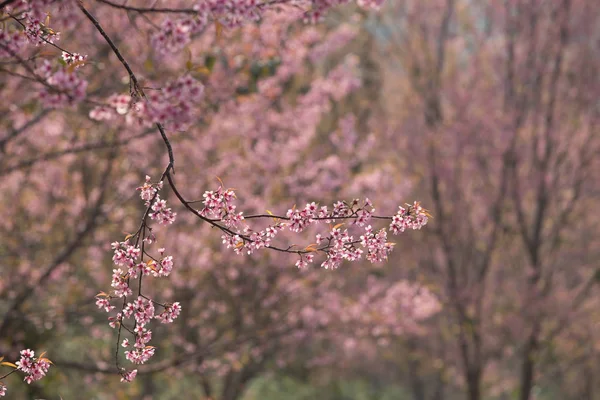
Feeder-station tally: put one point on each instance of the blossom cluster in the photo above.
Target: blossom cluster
(143, 312)
(174, 35)
(171, 312)
(31, 16)
(341, 248)
(174, 106)
(148, 190)
(10, 42)
(34, 368)
(219, 205)
(161, 213)
(117, 104)
(376, 244)
(158, 210)
(36, 32)
(128, 376)
(338, 245)
(411, 217)
(75, 59)
(133, 261)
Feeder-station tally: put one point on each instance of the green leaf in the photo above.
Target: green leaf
(209, 61)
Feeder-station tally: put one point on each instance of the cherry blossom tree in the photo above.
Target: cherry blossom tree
(184, 184)
(64, 59)
(499, 99)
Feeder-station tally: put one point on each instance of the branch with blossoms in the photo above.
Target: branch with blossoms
(34, 368)
(62, 86)
(134, 260)
(219, 211)
(337, 245)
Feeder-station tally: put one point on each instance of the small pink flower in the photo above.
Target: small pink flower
(128, 376)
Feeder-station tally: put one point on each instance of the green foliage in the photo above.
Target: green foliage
(285, 387)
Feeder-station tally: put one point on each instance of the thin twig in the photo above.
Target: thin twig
(143, 10)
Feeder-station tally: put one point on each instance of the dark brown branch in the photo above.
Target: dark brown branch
(79, 149)
(136, 86)
(6, 3)
(143, 10)
(41, 37)
(16, 132)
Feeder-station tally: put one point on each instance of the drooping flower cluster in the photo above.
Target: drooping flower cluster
(305, 260)
(142, 311)
(120, 285)
(34, 368)
(133, 261)
(125, 255)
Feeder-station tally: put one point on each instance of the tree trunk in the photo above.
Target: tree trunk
(528, 366)
(474, 383)
(416, 383)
